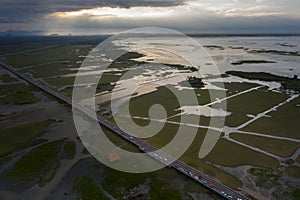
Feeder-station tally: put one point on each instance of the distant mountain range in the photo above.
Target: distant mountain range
(41, 33)
(21, 33)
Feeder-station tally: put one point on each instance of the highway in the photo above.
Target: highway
(213, 185)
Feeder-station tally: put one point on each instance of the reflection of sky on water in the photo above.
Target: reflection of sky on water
(235, 48)
(223, 51)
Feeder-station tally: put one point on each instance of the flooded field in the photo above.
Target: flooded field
(251, 102)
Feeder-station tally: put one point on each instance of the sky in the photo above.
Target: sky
(89, 17)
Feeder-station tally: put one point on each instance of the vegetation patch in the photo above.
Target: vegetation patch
(21, 136)
(61, 81)
(58, 54)
(296, 194)
(213, 47)
(39, 164)
(282, 122)
(6, 78)
(253, 103)
(140, 105)
(11, 88)
(20, 97)
(48, 174)
(193, 82)
(52, 69)
(293, 171)
(162, 184)
(70, 149)
(160, 190)
(86, 189)
(191, 155)
(126, 60)
(276, 52)
(191, 158)
(119, 141)
(120, 183)
(278, 147)
(5, 160)
(298, 159)
(181, 67)
(265, 178)
(286, 82)
(235, 87)
(230, 154)
(241, 62)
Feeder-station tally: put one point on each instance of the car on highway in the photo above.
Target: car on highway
(211, 185)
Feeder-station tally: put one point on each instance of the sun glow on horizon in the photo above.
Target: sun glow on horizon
(107, 12)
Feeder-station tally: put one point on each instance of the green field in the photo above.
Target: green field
(296, 193)
(20, 87)
(286, 82)
(70, 149)
(214, 172)
(239, 106)
(61, 81)
(298, 159)
(18, 47)
(265, 178)
(61, 53)
(229, 154)
(114, 179)
(21, 136)
(118, 141)
(18, 93)
(253, 103)
(37, 165)
(293, 171)
(163, 184)
(140, 106)
(190, 156)
(4, 160)
(6, 78)
(20, 98)
(278, 147)
(224, 153)
(282, 122)
(86, 189)
(235, 87)
(51, 69)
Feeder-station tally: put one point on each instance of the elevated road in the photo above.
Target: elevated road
(213, 185)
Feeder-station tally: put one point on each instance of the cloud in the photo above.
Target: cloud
(81, 16)
(13, 11)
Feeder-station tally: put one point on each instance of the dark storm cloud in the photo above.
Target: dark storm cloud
(212, 24)
(20, 11)
(185, 15)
